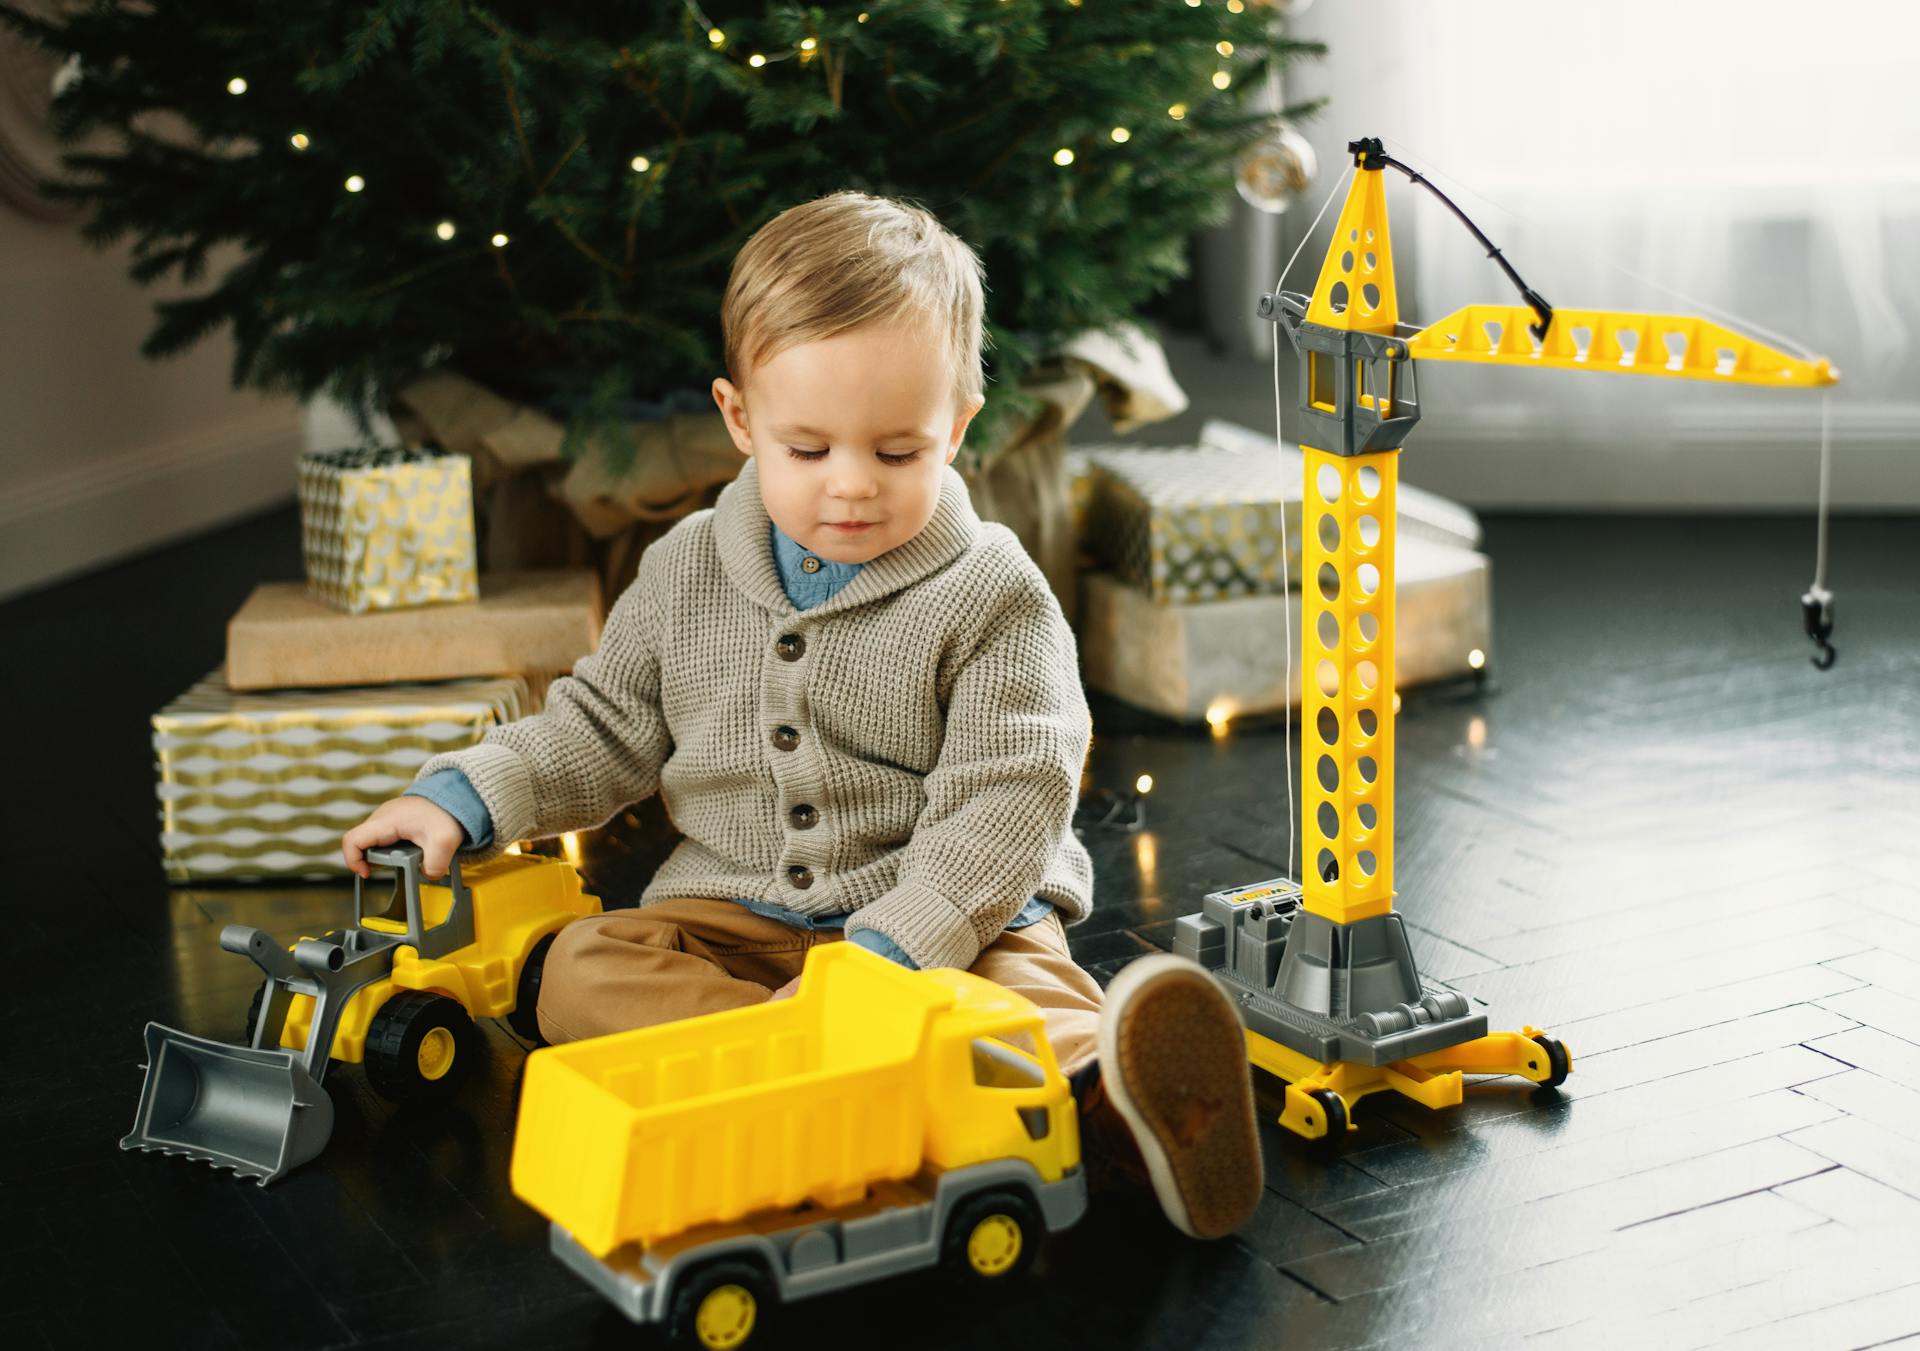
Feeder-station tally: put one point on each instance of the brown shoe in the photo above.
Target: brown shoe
(1173, 1064)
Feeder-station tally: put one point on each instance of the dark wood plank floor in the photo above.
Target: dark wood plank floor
(1655, 831)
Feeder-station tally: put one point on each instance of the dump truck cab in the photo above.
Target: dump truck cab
(995, 1088)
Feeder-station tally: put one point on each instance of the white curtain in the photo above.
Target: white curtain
(1760, 158)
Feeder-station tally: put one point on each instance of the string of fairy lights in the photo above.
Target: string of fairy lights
(806, 50)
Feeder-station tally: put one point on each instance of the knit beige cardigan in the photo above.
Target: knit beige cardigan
(933, 708)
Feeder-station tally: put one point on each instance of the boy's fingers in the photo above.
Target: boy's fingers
(435, 856)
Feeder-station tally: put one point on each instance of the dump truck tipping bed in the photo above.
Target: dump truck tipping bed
(645, 1134)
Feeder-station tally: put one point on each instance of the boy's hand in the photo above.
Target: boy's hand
(405, 818)
(787, 991)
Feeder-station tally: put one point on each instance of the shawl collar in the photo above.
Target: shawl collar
(741, 532)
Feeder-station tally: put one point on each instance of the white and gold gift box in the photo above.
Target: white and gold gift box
(386, 529)
(1192, 523)
(1220, 660)
(263, 784)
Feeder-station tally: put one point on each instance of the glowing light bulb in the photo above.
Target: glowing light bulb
(716, 37)
(299, 140)
(1063, 157)
(444, 229)
(641, 164)
(808, 44)
(1177, 112)
(1476, 659)
(499, 241)
(862, 17)
(1477, 733)
(1193, 4)
(355, 183)
(1236, 6)
(1224, 48)
(756, 60)
(1121, 135)
(237, 85)
(1218, 716)
(1143, 785)
(1221, 79)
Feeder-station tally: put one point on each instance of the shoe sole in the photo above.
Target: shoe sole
(1173, 1061)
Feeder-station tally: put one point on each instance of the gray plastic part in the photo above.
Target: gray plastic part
(805, 1256)
(256, 1112)
(1347, 426)
(259, 1109)
(1330, 991)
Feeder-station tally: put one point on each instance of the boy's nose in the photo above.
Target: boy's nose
(849, 482)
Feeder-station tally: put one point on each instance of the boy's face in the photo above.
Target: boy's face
(851, 434)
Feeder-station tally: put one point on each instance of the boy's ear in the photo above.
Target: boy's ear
(733, 407)
(960, 428)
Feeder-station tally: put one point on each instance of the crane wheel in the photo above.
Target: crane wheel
(1336, 1113)
(1559, 1063)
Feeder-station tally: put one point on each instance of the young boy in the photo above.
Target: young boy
(862, 707)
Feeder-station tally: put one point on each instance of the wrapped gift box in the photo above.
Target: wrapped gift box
(1226, 658)
(1196, 523)
(529, 621)
(263, 785)
(387, 529)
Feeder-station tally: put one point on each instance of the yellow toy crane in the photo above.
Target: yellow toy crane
(1325, 978)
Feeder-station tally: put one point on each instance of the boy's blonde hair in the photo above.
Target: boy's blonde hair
(846, 260)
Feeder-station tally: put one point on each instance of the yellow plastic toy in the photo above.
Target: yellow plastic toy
(396, 993)
(1323, 972)
(879, 1121)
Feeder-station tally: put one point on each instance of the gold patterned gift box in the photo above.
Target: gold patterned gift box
(1195, 523)
(263, 784)
(384, 529)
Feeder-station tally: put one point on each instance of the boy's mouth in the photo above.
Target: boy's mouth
(851, 527)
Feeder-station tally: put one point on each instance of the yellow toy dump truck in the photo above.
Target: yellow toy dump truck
(397, 992)
(880, 1120)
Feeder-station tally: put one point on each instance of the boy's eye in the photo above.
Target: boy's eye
(899, 457)
(806, 452)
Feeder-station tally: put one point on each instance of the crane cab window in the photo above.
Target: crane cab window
(1320, 373)
(1006, 1062)
(1373, 386)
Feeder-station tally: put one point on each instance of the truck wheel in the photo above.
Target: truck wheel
(418, 1047)
(527, 993)
(993, 1237)
(718, 1306)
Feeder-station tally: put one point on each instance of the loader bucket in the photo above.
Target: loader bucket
(257, 1112)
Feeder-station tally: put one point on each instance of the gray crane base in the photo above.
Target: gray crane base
(1332, 992)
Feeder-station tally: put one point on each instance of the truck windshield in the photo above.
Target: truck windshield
(997, 1064)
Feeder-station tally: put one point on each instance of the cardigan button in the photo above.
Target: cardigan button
(800, 876)
(804, 817)
(791, 647)
(786, 738)
(809, 564)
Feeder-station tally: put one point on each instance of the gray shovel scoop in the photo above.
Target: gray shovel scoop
(257, 1112)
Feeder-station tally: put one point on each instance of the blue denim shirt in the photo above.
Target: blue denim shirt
(806, 587)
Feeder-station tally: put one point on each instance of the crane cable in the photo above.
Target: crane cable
(1816, 604)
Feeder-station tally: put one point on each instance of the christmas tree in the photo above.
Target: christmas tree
(549, 194)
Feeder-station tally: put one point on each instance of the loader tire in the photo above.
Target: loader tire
(526, 999)
(419, 1046)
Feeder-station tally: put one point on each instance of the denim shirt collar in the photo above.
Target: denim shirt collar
(804, 588)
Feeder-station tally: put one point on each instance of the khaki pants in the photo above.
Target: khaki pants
(680, 958)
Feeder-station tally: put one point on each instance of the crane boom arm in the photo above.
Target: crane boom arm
(1611, 340)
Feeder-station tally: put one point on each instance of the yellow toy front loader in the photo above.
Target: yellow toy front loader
(397, 993)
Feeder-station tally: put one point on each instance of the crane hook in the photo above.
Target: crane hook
(1816, 608)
